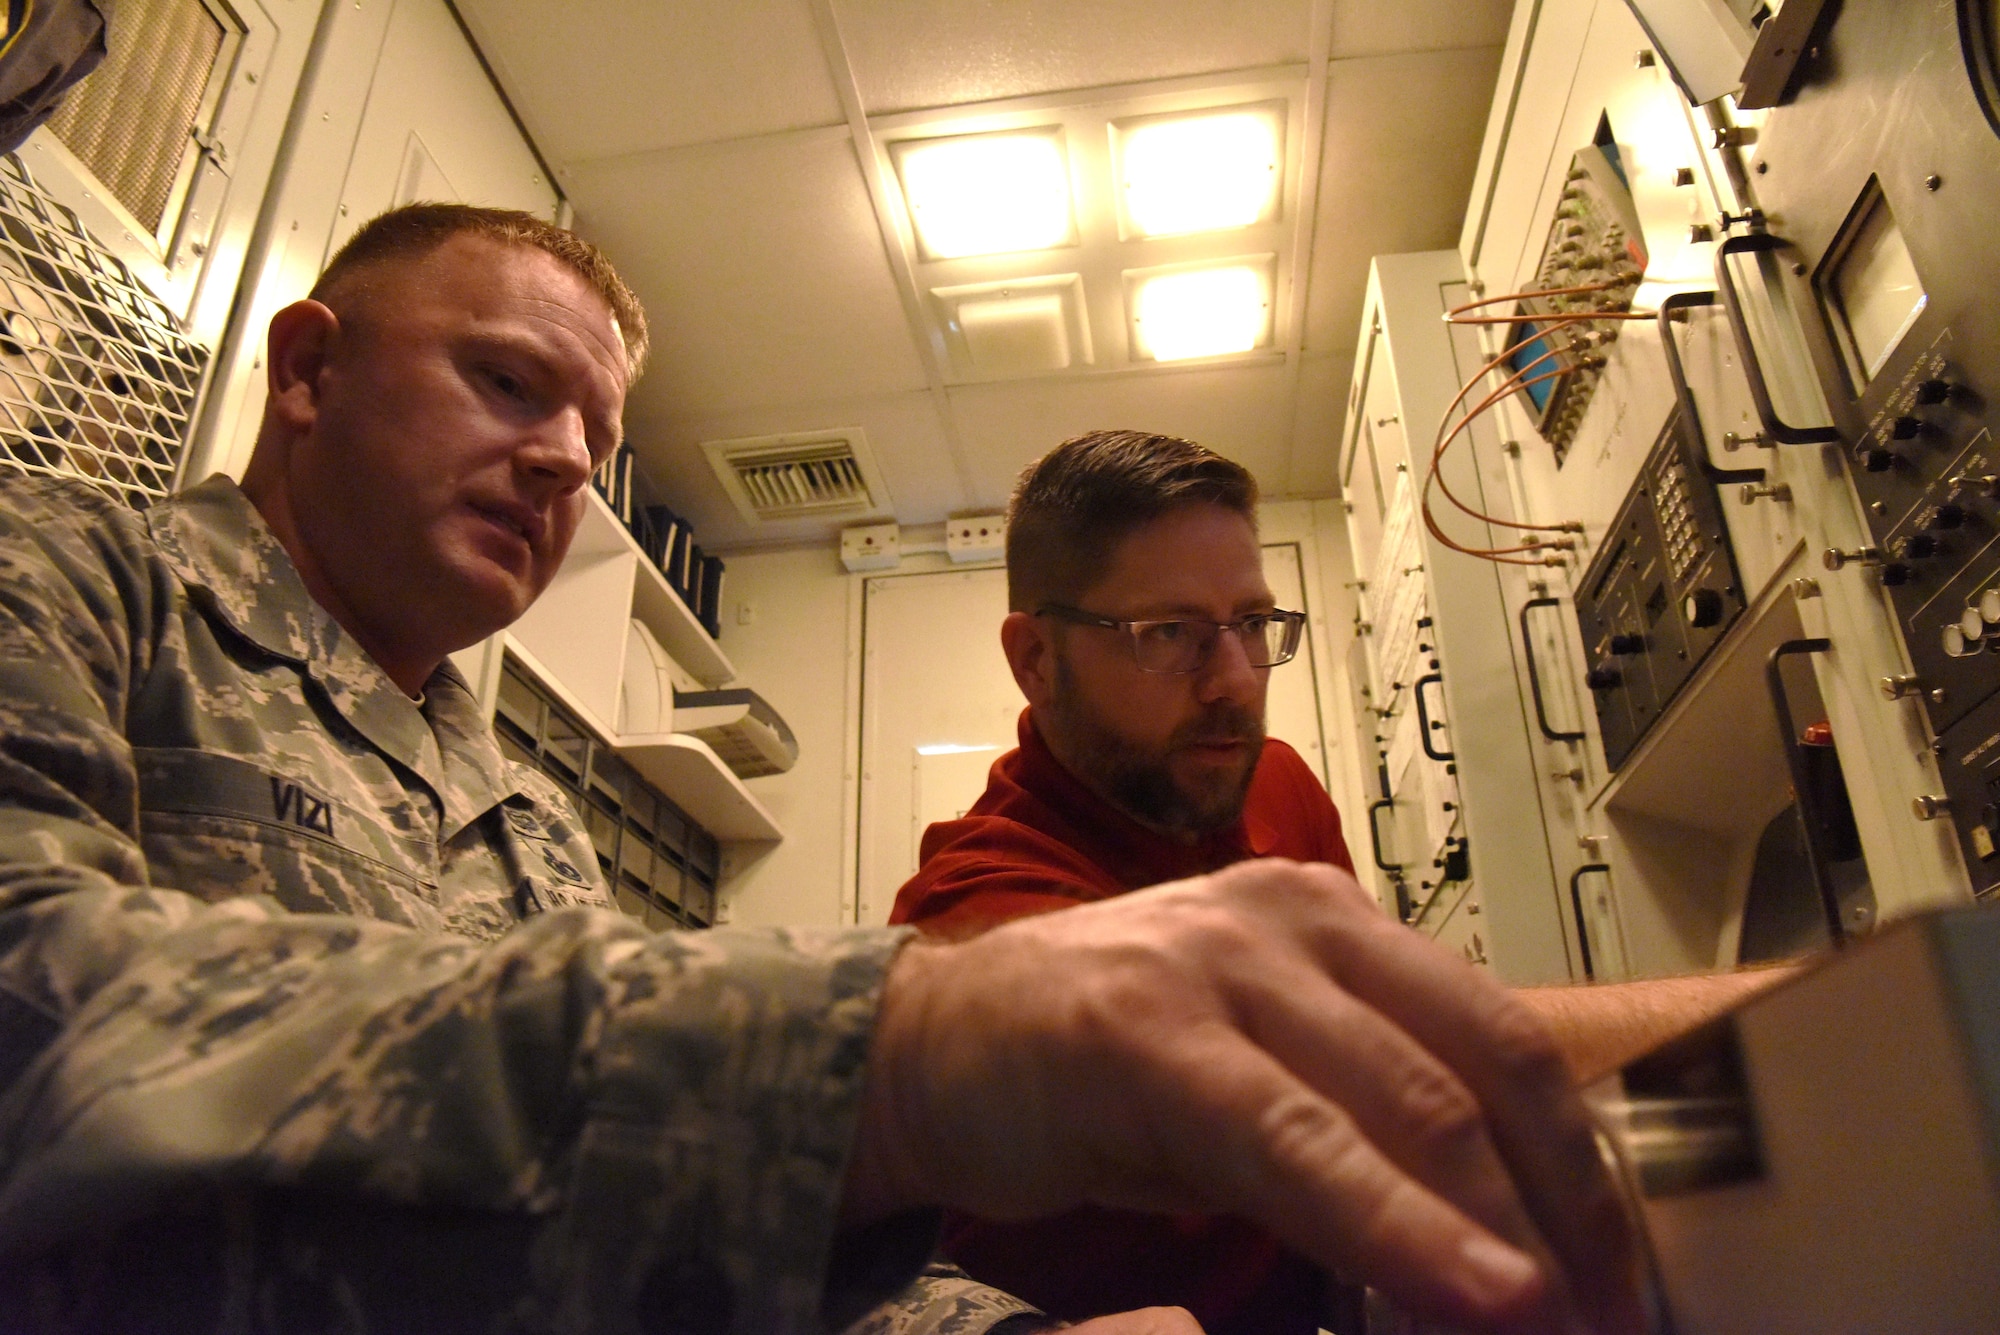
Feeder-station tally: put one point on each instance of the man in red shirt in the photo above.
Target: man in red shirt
(1143, 634)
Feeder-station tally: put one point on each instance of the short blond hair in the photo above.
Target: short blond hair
(415, 230)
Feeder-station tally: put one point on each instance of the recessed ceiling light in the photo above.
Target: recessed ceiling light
(1201, 173)
(1202, 312)
(987, 194)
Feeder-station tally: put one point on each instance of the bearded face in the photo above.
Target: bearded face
(1191, 783)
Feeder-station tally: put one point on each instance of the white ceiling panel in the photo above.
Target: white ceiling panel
(910, 54)
(1402, 142)
(1239, 411)
(762, 270)
(903, 432)
(1371, 28)
(599, 78)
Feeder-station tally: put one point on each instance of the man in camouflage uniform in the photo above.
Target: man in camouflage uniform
(313, 1014)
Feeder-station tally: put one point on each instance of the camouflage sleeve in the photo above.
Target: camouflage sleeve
(581, 1126)
(944, 1300)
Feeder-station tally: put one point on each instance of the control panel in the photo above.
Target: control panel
(1592, 260)
(1889, 232)
(1660, 594)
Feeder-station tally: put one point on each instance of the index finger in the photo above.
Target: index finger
(1510, 1061)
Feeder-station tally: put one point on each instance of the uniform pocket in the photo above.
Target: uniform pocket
(217, 826)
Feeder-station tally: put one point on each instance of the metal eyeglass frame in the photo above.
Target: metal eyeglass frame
(1294, 623)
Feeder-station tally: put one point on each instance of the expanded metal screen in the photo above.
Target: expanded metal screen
(96, 379)
(132, 120)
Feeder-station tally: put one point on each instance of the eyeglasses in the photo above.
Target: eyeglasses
(1182, 646)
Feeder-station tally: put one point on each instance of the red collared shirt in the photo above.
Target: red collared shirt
(1039, 840)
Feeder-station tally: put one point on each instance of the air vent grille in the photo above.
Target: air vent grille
(828, 475)
(807, 481)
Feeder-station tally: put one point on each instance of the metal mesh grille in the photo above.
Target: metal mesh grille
(129, 121)
(96, 380)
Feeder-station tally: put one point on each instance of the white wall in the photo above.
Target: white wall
(800, 648)
(394, 107)
(794, 652)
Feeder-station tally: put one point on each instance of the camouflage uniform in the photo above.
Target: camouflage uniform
(314, 1013)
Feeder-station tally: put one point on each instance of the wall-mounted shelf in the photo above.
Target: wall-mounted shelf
(601, 538)
(688, 771)
(685, 769)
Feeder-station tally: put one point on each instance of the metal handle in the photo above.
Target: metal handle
(1424, 724)
(1535, 676)
(1689, 421)
(1753, 369)
(1576, 902)
(1375, 837)
(1795, 762)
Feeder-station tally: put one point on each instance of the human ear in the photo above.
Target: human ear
(296, 353)
(1031, 655)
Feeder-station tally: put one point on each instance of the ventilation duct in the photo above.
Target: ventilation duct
(824, 475)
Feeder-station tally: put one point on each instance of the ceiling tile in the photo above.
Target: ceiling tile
(597, 78)
(1396, 181)
(1371, 28)
(1243, 412)
(910, 54)
(903, 431)
(762, 270)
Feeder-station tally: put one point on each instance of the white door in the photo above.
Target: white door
(939, 706)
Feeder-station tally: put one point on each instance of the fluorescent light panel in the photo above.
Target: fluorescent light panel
(987, 194)
(1211, 312)
(1201, 173)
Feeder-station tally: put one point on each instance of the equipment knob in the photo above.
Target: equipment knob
(1989, 606)
(1917, 546)
(1956, 645)
(1902, 687)
(1905, 428)
(1973, 624)
(1604, 677)
(1942, 517)
(1933, 392)
(1627, 645)
(1930, 807)
(1875, 459)
(1702, 608)
(1895, 574)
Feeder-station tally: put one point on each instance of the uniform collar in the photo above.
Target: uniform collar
(219, 545)
(1135, 855)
